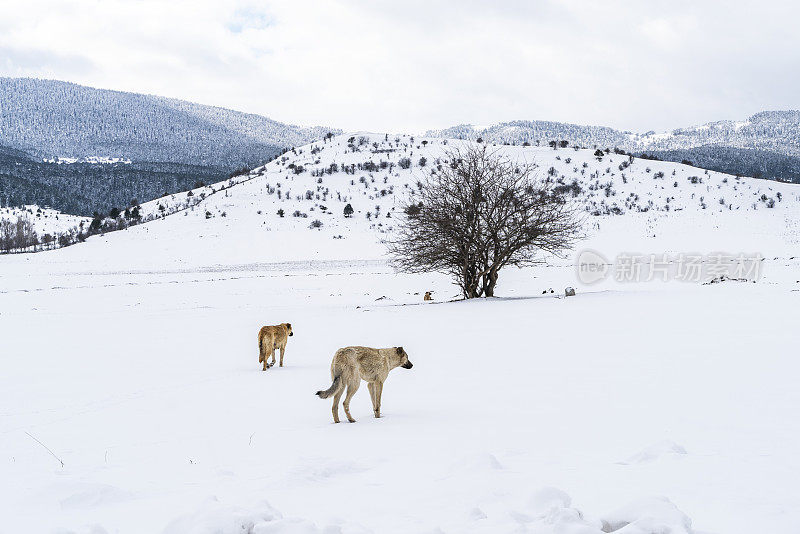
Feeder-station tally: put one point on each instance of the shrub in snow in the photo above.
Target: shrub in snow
(413, 209)
(316, 223)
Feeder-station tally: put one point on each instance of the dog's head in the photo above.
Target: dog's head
(288, 327)
(405, 363)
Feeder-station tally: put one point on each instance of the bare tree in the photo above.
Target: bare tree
(478, 212)
(19, 235)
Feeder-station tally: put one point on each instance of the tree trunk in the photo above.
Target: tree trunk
(489, 282)
(471, 282)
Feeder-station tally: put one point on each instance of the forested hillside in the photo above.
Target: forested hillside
(80, 150)
(765, 145)
(83, 188)
(50, 118)
(741, 161)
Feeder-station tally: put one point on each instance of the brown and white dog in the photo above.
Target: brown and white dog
(351, 365)
(271, 338)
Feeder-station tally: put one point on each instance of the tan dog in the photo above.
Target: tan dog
(427, 296)
(271, 338)
(350, 365)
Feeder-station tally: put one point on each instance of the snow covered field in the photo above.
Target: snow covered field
(638, 408)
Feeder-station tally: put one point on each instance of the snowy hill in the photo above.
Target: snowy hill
(537, 133)
(379, 174)
(45, 220)
(776, 131)
(767, 143)
(54, 119)
(82, 150)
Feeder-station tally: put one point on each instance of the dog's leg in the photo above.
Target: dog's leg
(378, 393)
(273, 356)
(283, 349)
(335, 408)
(371, 387)
(352, 387)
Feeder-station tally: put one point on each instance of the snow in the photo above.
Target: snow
(655, 451)
(45, 220)
(103, 160)
(643, 408)
(648, 515)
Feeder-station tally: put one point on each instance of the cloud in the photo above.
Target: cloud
(410, 66)
(668, 32)
(19, 61)
(249, 17)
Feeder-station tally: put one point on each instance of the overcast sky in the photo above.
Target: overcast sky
(407, 66)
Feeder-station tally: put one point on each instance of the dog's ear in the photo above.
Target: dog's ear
(399, 350)
(288, 325)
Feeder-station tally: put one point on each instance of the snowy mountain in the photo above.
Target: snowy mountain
(537, 133)
(55, 119)
(777, 131)
(767, 143)
(82, 150)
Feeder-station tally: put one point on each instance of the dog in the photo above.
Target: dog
(271, 338)
(350, 365)
(427, 296)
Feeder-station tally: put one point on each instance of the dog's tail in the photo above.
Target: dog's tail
(262, 354)
(331, 390)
